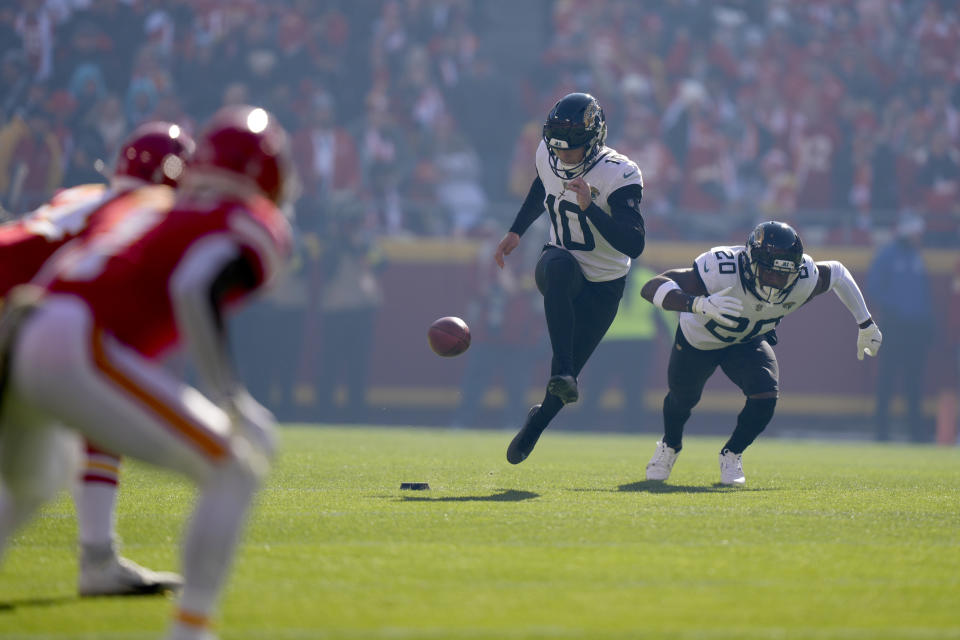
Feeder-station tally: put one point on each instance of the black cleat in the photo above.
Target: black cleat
(526, 439)
(565, 388)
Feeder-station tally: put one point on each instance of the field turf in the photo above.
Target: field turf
(828, 540)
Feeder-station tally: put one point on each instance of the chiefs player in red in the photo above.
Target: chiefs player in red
(146, 278)
(154, 154)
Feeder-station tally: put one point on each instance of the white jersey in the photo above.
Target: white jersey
(569, 226)
(720, 268)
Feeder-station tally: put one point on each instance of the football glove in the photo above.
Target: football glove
(718, 306)
(869, 341)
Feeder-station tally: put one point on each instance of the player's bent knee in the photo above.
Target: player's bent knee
(765, 395)
(248, 464)
(238, 476)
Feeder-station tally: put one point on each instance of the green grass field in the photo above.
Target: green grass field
(828, 540)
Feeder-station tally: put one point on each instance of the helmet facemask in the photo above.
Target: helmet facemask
(770, 273)
(587, 130)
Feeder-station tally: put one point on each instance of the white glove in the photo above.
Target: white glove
(868, 341)
(717, 306)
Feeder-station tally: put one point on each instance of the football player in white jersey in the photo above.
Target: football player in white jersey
(730, 302)
(592, 194)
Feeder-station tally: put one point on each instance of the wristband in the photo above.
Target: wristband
(662, 292)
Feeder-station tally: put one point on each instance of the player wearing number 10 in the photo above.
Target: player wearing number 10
(592, 195)
(730, 303)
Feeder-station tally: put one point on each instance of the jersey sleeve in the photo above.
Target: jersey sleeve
(266, 241)
(627, 173)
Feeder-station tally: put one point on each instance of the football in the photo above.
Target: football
(448, 336)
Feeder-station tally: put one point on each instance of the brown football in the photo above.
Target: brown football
(449, 336)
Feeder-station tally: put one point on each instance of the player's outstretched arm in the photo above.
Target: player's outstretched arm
(198, 297)
(530, 210)
(506, 246)
(833, 276)
(683, 290)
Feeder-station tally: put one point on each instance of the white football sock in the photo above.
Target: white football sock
(95, 497)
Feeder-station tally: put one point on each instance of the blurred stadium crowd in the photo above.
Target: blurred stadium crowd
(421, 116)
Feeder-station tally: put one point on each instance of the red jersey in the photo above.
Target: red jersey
(130, 263)
(27, 243)
(815, 146)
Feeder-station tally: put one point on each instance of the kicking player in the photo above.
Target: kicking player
(592, 194)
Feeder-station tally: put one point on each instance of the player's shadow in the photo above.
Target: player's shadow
(655, 486)
(505, 495)
(8, 606)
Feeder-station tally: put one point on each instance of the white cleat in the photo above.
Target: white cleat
(661, 463)
(122, 577)
(731, 468)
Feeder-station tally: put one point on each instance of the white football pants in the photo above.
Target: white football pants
(65, 372)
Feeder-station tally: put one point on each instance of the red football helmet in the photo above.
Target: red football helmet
(156, 152)
(249, 142)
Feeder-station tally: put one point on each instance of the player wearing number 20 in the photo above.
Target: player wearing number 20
(592, 195)
(730, 302)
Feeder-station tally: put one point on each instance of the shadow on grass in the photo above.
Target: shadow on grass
(505, 495)
(655, 486)
(8, 606)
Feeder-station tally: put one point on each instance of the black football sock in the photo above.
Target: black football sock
(756, 415)
(548, 410)
(561, 280)
(675, 416)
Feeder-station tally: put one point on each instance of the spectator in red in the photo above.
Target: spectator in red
(326, 153)
(779, 200)
(814, 141)
(31, 161)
